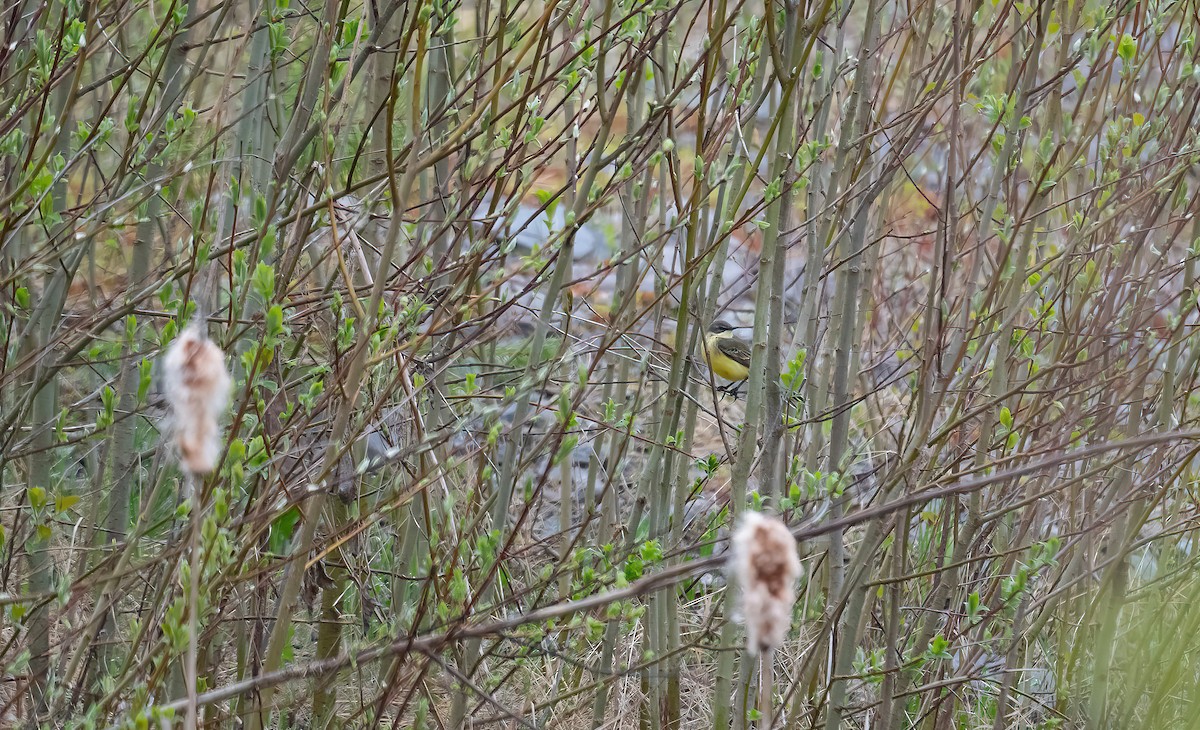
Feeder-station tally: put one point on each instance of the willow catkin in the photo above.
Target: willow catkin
(765, 566)
(196, 385)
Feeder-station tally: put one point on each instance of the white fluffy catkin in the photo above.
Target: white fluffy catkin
(196, 385)
(766, 567)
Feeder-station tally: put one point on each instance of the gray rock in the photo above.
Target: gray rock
(529, 228)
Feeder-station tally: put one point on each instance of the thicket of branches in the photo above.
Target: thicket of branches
(474, 471)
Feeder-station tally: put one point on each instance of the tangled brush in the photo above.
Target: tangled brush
(766, 567)
(196, 385)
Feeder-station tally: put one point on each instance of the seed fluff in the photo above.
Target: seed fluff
(196, 385)
(765, 566)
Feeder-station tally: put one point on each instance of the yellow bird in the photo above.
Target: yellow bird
(727, 355)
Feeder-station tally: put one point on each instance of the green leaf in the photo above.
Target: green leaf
(264, 281)
(282, 530)
(938, 648)
(267, 246)
(548, 200)
(64, 502)
(772, 191)
(37, 497)
(1127, 48)
(458, 586)
(108, 397)
(260, 211)
(274, 321)
(145, 377)
(168, 333)
(651, 551)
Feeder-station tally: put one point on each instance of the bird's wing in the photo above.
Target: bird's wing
(735, 350)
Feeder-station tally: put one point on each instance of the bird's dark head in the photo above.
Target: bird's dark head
(719, 327)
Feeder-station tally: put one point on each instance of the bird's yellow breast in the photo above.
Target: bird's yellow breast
(724, 366)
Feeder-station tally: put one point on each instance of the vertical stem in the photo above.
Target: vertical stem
(508, 477)
(779, 213)
(355, 374)
(329, 632)
(37, 549)
(764, 375)
(852, 249)
(926, 395)
(766, 672)
(116, 521)
(196, 567)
